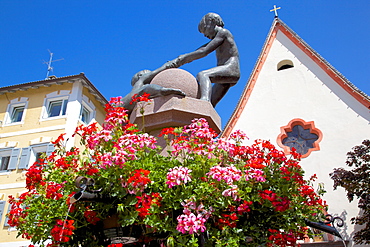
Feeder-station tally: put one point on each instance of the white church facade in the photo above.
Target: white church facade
(295, 98)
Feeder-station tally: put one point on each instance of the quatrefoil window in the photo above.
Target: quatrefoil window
(301, 135)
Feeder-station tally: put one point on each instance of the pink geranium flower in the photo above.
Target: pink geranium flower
(177, 176)
(228, 173)
(191, 223)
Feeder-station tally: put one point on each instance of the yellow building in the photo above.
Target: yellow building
(31, 116)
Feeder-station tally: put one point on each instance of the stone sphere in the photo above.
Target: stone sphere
(178, 79)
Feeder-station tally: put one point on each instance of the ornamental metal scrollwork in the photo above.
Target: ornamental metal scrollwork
(325, 226)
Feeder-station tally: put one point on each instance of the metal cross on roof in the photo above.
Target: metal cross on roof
(275, 10)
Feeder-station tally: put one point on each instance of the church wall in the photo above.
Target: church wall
(307, 92)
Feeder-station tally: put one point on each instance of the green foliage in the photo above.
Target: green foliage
(357, 184)
(204, 192)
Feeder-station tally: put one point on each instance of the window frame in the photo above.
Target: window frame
(2, 167)
(87, 104)
(63, 109)
(29, 154)
(2, 209)
(90, 112)
(14, 105)
(54, 104)
(13, 115)
(305, 125)
(13, 160)
(86, 118)
(7, 218)
(9, 228)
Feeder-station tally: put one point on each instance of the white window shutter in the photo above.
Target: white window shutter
(25, 158)
(7, 218)
(13, 162)
(2, 205)
(50, 148)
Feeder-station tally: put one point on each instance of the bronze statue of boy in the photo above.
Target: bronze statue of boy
(227, 72)
(225, 75)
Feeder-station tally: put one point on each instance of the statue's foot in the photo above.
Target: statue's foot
(205, 98)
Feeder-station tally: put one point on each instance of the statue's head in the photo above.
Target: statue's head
(208, 23)
(137, 76)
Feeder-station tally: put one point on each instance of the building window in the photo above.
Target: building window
(15, 112)
(57, 108)
(285, 64)
(2, 207)
(85, 115)
(8, 159)
(87, 112)
(4, 163)
(303, 136)
(7, 218)
(301, 139)
(39, 156)
(31, 154)
(55, 105)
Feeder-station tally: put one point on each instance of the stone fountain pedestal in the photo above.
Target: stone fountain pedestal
(175, 110)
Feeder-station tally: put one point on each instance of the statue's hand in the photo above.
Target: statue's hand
(171, 64)
(158, 91)
(168, 91)
(177, 62)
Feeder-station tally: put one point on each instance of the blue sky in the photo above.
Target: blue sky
(111, 40)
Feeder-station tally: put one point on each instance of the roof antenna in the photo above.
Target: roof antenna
(49, 64)
(275, 10)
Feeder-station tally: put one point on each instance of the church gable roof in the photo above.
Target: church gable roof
(279, 26)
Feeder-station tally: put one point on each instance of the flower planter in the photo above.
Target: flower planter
(179, 197)
(116, 234)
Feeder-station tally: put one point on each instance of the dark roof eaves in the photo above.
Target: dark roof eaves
(99, 94)
(34, 83)
(82, 76)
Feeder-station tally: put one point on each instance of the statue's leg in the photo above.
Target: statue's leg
(205, 85)
(222, 78)
(218, 92)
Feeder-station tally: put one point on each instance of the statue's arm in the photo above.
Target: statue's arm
(202, 51)
(148, 77)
